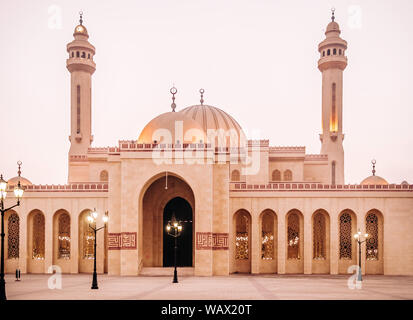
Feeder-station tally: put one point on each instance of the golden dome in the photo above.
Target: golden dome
(162, 130)
(333, 26)
(23, 181)
(374, 180)
(80, 29)
(212, 118)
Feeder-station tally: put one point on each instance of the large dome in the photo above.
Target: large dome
(374, 180)
(15, 180)
(166, 128)
(212, 118)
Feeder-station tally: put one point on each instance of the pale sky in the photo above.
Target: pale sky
(256, 59)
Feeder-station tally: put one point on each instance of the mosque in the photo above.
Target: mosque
(245, 206)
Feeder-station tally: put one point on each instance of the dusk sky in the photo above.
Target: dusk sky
(256, 60)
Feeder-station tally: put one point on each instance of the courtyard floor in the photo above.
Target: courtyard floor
(238, 287)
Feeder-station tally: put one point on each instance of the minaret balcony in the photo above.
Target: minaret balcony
(332, 62)
(80, 64)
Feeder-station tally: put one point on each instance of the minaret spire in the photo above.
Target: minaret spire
(81, 17)
(373, 162)
(173, 91)
(201, 91)
(332, 14)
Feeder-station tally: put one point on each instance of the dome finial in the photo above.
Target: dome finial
(173, 91)
(80, 17)
(373, 162)
(19, 163)
(332, 13)
(201, 91)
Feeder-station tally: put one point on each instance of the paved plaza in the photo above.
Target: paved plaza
(267, 287)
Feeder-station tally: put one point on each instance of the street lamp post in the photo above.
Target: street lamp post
(18, 192)
(92, 219)
(359, 239)
(174, 229)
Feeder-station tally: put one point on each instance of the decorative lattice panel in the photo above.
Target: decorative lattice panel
(13, 239)
(88, 244)
(319, 235)
(64, 236)
(293, 236)
(38, 236)
(372, 243)
(267, 241)
(346, 237)
(242, 238)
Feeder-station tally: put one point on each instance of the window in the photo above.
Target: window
(276, 175)
(346, 237)
(334, 51)
(38, 237)
(77, 54)
(339, 52)
(13, 237)
(267, 240)
(372, 243)
(328, 52)
(83, 54)
(64, 236)
(319, 236)
(293, 234)
(242, 237)
(73, 54)
(104, 176)
(78, 109)
(235, 176)
(88, 55)
(333, 173)
(88, 239)
(324, 53)
(288, 175)
(333, 119)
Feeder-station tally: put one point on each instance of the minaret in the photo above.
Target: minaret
(81, 67)
(332, 62)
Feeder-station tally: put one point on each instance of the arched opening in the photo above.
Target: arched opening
(181, 209)
(242, 241)
(334, 51)
(288, 175)
(295, 242)
(321, 242)
(104, 176)
(35, 242)
(235, 175)
(374, 244)
(11, 241)
(268, 261)
(166, 194)
(62, 240)
(276, 175)
(328, 52)
(86, 240)
(347, 255)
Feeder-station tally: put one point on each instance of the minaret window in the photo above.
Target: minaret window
(324, 53)
(73, 54)
(339, 52)
(83, 54)
(328, 52)
(78, 110)
(334, 51)
(333, 173)
(333, 119)
(77, 54)
(88, 55)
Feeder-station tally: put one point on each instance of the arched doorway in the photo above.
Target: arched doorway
(166, 194)
(182, 211)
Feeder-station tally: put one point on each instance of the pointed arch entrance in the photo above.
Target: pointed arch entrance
(163, 197)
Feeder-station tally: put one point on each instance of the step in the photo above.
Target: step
(166, 271)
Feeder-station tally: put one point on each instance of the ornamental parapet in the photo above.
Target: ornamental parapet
(239, 186)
